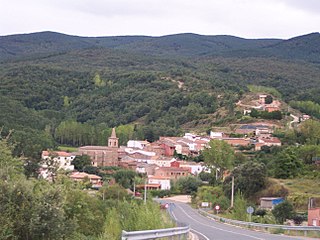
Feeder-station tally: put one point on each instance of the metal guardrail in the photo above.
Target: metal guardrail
(305, 229)
(154, 234)
(182, 230)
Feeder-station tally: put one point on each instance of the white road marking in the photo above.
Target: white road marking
(174, 216)
(192, 230)
(219, 228)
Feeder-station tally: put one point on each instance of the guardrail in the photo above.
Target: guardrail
(154, 234)
(181, 231)
(305, 229)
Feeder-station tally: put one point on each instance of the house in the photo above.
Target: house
(235, 142)
(172, 172)
(195, 168)
(270, 202)
(305, 117)
(103, 155)
(314, 217)
(61, 159)
(268, 141)
(145, 168)
(55, 160)
(262, 98)
(137, 144)
(216, 135)
(95, 180)
(164, 182)
(271, 108)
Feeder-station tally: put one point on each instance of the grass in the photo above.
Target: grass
(303, 186)
(67, 149)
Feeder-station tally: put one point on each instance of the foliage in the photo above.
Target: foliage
(308, 107)
(214, 195)
(125, 178)
(219, 155)
(265, 114)
(250, 178)
(115, 192)
(10, 166)
(188, 185)
(264, 89)
(80, 162)
(240, 205)
(310, 131)
(287, 164)
(283, 211)
(268, 99)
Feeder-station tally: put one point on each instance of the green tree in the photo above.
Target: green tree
(10, 167)
(283, 211)
(188, 185)
(240, 207)
(268, 99)
(219, 156)
(250, 178)
(125, 178)
(287, 164)
(310, 131)
(80, 162)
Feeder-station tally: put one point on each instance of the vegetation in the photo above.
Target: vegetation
(35, 209)
(73, 91)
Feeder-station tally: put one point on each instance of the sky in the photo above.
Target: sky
(243, 18)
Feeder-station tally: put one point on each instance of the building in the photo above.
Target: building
(172, 172)
(95, 180)
(272, 108)
(61, 159)
(236, 142)
(262, 98)
(137, 144)
(103, 155)
(164, 182)
(270, 202)
(268, 141)
(314, 217)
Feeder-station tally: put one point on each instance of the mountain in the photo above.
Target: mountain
(48, 43)
(71, 89)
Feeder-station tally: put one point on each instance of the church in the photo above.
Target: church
(103, 155)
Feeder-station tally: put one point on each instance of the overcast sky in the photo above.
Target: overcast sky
(243, 18)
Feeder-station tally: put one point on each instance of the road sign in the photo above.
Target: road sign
(205, 204)
(250, 210)
(217, 207)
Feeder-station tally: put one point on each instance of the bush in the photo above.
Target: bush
(283, 211)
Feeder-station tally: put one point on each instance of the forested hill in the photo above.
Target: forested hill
(60, 89)
(305, 47)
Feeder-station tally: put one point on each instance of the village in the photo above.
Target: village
(168, 159)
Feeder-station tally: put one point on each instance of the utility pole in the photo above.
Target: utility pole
(134, 188)
(232, 191)
(145, 192)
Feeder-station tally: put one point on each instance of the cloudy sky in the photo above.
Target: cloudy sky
(243, 18)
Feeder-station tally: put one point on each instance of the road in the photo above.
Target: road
(295, 120)
(208, 229)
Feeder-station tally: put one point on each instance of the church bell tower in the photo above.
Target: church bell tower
(113, 140)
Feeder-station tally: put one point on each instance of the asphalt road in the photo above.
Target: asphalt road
(208, 229)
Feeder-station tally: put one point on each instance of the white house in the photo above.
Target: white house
(163, 181)
(62, 159)
(137, 144)
(216, 134)
(195, 168)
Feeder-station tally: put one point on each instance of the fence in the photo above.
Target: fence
(267, 227)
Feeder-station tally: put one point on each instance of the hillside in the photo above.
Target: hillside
(156, 84)
(46, 43)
